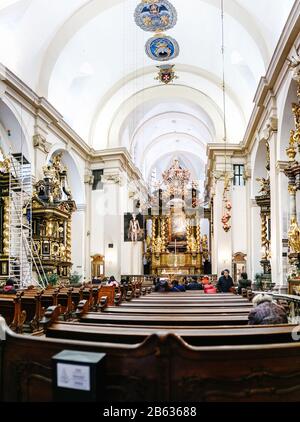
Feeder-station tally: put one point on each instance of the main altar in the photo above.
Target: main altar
(174, 243)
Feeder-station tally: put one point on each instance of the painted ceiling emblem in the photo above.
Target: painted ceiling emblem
(166, 73)
(155, 15)
(162, 48)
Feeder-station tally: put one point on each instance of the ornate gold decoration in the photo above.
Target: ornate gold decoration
(166, 74)
(163, 233)
(264, 237)
(294, 236)
(158, 246)
(6, 226)
(205, 249)
(292, 189)
(4, 163)
(69, 240)
(291, 150)
(52, 210)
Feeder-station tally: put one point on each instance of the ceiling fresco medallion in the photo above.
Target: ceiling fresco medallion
(162, 48)
(155, 15)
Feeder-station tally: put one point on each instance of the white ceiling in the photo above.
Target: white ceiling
(88, 59)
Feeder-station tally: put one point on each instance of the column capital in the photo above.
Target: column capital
(112, 178)
(88, 177)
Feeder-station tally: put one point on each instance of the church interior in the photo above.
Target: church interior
(150, 200)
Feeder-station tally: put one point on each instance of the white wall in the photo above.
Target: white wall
(239, 220)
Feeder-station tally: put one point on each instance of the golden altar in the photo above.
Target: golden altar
(174, 243)
(177, 253)
(182, 263)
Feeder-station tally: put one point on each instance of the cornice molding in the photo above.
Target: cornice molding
(53, 121)
(276, 66)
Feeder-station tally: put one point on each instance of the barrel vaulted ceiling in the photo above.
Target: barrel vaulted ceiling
(87, 58)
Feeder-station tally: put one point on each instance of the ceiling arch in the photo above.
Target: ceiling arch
(161, 93)
(148, 71)
(188, 160)
(95, 7)
(174, 117)
(182, 145)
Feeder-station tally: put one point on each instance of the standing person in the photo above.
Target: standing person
(244, 283)
(225, 282)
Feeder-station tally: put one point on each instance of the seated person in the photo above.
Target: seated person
(194, 285)
(176, 287)
(113, 282)
(97, 280)
(162, 286)
(9, 287)
(244, 283)
(266, 312)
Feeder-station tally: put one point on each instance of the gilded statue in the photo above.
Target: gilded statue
(294, 236)
(4, 162)
(193, 246)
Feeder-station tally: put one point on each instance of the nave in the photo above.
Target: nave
(149, 201)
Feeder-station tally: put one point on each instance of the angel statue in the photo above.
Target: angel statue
(264, 186)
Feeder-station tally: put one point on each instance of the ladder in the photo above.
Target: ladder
(21, 257)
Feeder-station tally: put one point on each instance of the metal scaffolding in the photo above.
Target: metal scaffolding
(21, 257)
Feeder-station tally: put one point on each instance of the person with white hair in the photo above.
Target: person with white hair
(266, 312)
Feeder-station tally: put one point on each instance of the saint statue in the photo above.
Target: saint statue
(134, 229)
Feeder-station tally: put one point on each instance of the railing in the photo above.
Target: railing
(149, 279)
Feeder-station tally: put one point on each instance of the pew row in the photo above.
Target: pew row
(162, 368)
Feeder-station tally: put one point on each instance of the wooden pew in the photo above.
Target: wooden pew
(200, 336)
(162, 368)
(200, 310)
(11, 311)
(127, 319)
(26, 312)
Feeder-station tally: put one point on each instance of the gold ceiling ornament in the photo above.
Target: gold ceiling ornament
(166, 74)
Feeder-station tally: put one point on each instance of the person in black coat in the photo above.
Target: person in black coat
(244, 283)
(225, 282)
(194, 285)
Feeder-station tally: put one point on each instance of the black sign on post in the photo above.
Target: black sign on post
(78, 376)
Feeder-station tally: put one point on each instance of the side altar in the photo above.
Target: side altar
(174, 242)
(52, 209)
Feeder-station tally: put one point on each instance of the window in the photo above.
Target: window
(238, 175)
(97, 183)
